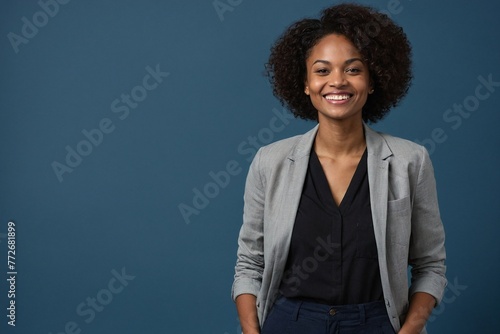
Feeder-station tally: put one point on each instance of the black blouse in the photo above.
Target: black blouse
(333, 255)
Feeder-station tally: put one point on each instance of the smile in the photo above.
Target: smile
(338, 97)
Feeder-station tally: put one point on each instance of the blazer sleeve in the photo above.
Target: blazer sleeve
(427, 253)
(250, 256)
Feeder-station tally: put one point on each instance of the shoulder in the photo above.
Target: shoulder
(290, 148)
(400, 148)
(269, 161)
(403, 147)
(280, 149)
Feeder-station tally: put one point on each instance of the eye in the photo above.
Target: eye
(353, 70)
(321, 71)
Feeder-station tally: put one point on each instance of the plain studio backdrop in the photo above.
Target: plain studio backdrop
(127, 129)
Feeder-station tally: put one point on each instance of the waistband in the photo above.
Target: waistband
(294, 307)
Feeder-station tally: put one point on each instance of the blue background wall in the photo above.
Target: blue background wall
(117, 212)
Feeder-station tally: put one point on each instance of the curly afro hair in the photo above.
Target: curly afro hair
(382, 44)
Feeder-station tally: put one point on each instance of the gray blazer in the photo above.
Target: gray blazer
(406, 220)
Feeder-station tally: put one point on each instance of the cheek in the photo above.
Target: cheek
(315, 87)
(316, 100)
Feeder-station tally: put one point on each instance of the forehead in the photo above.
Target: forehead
(333, 46)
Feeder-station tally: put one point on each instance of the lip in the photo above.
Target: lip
(343, 101)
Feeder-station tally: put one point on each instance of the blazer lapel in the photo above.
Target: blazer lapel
(296, 165)
(378, 173)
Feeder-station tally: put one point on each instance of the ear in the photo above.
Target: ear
(306, 90)
(371, 90)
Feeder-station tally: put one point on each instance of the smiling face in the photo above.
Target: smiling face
(338, 81)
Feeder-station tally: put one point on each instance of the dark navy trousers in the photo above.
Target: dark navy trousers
(293, 316)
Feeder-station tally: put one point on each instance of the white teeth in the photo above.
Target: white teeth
(338, 97)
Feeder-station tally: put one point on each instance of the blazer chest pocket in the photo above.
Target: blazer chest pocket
(399, 207)
(399, 221)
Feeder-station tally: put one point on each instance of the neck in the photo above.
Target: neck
(340, 140)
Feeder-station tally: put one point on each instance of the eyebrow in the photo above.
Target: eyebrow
(347, 62)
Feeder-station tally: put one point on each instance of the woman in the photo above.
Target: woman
(333, 218)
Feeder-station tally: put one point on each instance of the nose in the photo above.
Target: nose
(337, 79)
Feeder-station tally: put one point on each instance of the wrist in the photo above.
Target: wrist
(250, 331)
